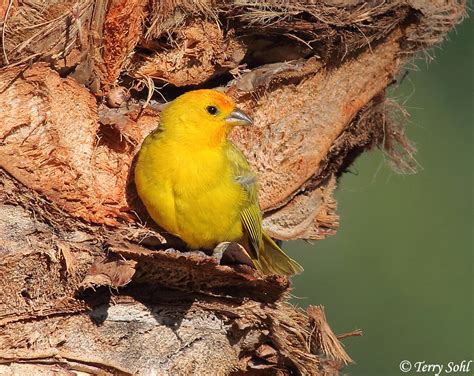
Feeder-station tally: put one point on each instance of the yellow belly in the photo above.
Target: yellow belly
(192, 195)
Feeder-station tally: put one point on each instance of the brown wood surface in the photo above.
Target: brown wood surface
(89, 284)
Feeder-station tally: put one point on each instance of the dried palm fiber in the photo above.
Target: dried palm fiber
(83, 287)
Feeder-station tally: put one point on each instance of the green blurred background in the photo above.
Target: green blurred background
(401, 266)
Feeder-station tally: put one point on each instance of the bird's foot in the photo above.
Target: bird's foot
(218, 251)
(197, 252)
(231, 253)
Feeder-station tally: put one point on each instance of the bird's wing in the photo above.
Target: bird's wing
(250, 213)
(265, 253)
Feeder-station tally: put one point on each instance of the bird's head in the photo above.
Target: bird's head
(202, 116)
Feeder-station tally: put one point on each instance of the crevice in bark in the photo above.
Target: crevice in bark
(89, 283)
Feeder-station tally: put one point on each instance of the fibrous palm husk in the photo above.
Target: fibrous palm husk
(84, 287)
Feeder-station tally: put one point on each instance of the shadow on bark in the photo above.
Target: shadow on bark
(89, 283)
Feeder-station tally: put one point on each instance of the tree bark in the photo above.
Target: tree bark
(89, 284)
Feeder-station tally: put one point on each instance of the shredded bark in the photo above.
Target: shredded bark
(89, 284)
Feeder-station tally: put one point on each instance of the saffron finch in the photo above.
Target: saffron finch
(197, 185)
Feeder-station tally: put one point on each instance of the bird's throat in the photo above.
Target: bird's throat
(218, 137)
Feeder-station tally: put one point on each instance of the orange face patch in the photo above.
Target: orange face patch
(222, 101)
(213, 97)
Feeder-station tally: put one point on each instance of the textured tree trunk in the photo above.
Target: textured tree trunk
(89, 284)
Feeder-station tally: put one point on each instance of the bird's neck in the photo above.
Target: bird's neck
(198, 140)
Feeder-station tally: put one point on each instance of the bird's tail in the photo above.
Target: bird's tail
(272, 260)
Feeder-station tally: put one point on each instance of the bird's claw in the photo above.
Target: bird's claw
(231, 253)
(219, 250)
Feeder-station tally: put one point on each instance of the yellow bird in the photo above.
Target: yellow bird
(198, 186)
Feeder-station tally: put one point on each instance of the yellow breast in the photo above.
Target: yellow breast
(189, 191)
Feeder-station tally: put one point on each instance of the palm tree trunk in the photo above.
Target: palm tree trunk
(89, 284)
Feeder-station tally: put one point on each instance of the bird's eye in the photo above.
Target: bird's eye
(212, 110)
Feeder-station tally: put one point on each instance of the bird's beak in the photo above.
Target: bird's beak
(238, 117)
